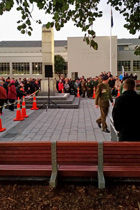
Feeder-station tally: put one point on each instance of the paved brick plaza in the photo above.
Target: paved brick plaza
(55, 124)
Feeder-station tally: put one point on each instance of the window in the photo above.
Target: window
(123, 47)
(136, 65)
(36, 68)
(20, 68)
(126, 65)
(4, 68)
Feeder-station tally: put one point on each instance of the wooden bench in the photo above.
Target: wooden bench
(74, 159)
(119, 159)
(70, 159)
(25, 159)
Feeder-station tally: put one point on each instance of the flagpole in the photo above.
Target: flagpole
(111, 43)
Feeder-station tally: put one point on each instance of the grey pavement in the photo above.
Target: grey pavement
(55, 124)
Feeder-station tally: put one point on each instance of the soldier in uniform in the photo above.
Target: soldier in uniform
(102, 98)
(83, 87)
(88, 87)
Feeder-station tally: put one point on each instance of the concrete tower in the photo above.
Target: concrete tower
(47, 58)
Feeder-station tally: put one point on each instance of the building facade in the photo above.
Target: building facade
(20, 59)
(126, 56)
(87, 62)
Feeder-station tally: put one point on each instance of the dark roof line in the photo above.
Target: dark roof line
(57, 43)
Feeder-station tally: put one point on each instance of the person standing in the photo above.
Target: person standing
(88, 87)
(3, 96)
(12, 94)
(117, 85)
(126, 113)
(60, 86)
(102, 98)
(83, 87)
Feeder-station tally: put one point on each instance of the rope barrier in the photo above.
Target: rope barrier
(26, 98)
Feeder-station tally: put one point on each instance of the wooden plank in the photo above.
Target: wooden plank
(121, 152)
(77, 168)
(25, 167)
(121, 144)
(25, 144)
(74, 143)
(122, 171)
(77, 174)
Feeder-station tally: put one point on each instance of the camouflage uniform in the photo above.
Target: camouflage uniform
(83, 88)
(88, 86)
(103, 95)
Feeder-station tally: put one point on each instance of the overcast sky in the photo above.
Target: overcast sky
(8, 26)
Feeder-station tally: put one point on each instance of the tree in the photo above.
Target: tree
(59, 65)
(82, 12)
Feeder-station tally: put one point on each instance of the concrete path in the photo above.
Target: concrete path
(56, 124)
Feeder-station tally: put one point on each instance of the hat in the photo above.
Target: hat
(12, 81)
(105, 77)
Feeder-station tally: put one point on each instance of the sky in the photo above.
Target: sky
(9, 32)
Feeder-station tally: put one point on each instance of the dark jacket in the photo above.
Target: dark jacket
(3, 94)
(12, 94)
(126, 116)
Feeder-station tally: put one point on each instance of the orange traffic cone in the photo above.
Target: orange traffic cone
(78, 95)
(118, 92)
(93, 93)
(1, 128)
(24, 109)
(62, 91)
(18, 114)
(34, 103)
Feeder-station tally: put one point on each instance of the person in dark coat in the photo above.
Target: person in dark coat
(12, 94)
(5, 85)
(3, 95)
(126, 113)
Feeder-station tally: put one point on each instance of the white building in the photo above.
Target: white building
(20, 59)
(86, 61)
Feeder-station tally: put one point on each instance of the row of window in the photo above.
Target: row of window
(20, 68)
(24, 68)
(127, 65)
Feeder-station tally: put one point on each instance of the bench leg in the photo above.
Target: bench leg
(53, 180)
(101, 180)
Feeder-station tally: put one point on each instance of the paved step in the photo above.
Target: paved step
(57, 96)
(74, 105)
(65, 101)
(68, 100)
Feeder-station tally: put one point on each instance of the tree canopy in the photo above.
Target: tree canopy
(82, 12)
(59, 65)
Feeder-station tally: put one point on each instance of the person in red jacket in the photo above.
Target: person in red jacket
(3, 95)
(12, 94)
(60, 86)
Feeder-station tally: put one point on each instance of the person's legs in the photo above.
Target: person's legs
(104, 112)
(99, 121)
(11, 107)
(1, 105)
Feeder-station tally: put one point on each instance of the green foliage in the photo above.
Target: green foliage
(131, 11)
(83, 13)
(59, 64)
(137, 50)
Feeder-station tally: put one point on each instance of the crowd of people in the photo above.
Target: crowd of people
(22, 87)
(11, 89)
(126, 106)
(86, 86)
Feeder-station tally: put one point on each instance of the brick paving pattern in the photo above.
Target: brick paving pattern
(56, 124)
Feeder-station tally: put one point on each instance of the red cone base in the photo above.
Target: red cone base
(24, 115)
(1, 129)
(18, 116)
(34, 106)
